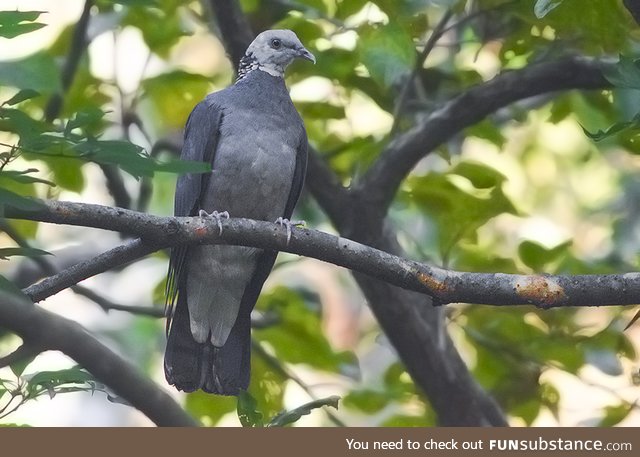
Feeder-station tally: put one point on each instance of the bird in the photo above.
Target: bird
(256, 143)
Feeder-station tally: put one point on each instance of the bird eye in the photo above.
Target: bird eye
(275, 43)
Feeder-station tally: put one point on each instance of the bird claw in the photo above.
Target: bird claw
(216, 215)
(289, 225)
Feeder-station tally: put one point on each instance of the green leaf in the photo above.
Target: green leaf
(27, 252)
(625, 73)
(388, 53)
(536, 256)
(544, 7)
(480, 175)
(401, 420)
(161, 27)
(23, 177)
(614, 129)
(14, 23)
(22, 95)
(320, 110)
(298, 337)
(67, 172)
(247, 412)
(613, 415)
(289, 417)
(550, 397)
(37, 72)
(268, 383)
(19, 366)
(487, 131)
(368, 401)
(306, 29)
(454, 202)
(173, 95)
(207, 408)
(49, 381)
(527, 410)
(88, 120)
(20, 123)
(8, 198)
(348, 8)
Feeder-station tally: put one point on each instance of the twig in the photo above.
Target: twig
(428, 47)
(47, 267)
(77, 49)
(120, 255)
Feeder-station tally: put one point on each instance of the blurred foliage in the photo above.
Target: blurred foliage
(549, 186)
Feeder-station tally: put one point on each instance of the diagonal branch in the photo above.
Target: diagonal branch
(49, 269)
(46, 330)
(120, 255)
(383, 179)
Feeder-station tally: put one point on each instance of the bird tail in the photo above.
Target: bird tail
(189, 365)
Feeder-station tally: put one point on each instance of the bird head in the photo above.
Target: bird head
(272, 51)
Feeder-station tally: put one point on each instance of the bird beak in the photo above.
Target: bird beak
(303, 53)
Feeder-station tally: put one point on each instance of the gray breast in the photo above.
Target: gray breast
(255, 159)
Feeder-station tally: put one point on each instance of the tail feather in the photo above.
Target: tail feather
(189, 365)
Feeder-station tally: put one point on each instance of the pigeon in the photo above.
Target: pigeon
(256, 143)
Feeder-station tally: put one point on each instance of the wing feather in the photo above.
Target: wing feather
(200, 142)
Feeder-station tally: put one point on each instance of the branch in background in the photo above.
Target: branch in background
(379, 185)
(49, 269)
(107, 305)
(115, 185)
(42, 329)
(234, 28)
(544, 291)
(436, 34)
(71, 276)
(78, 47)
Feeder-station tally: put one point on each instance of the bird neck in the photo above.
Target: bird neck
(249, 63)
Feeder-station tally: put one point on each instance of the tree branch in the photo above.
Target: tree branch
(382, 180)
(78, 46)
(234, 28)
(49, 269)
(446, 286)
(118, 256)
(436, 34)
(42, 329)
(22, 352)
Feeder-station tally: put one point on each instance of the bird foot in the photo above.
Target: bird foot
(289, 225)
(216, 215)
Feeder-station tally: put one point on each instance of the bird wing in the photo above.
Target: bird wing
(299, 174)
(200, 142)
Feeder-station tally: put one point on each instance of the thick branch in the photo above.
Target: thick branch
(445, 286)
(380, 183)
(234, 28)
(49, 331)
